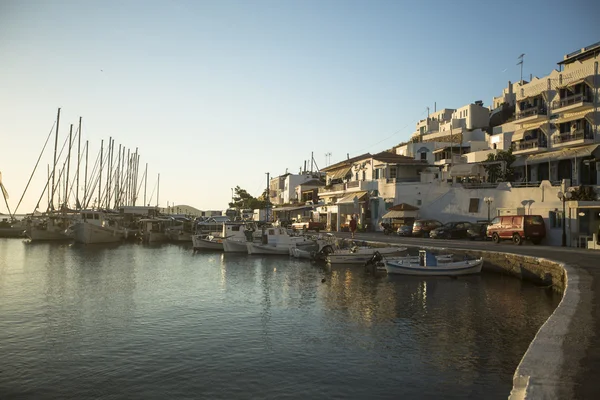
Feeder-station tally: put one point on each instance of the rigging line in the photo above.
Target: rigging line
(392, 135)
(36, 165)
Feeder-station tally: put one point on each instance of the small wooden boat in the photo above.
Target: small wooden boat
(210, 242)
(355, 255)
(428, 264)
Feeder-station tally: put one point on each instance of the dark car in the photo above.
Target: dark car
(422, 227)
(405, 230)
(452, 230)
(477, 231)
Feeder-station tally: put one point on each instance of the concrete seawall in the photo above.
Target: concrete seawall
(552, 366)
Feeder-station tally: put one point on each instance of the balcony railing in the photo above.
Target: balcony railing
(528, 145)
(570, 100)
(575, 135)
(530, 112)
(353, 184)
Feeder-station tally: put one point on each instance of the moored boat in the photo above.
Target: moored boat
(207, 242)
(355, 254)
(97, 227)
(277, 241)
(427, 264)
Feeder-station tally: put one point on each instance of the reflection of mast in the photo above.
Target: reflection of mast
(265, 316)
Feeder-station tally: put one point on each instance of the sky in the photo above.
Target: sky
(216, 94)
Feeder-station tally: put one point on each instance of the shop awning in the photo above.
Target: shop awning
(465, 170)
(563, 154)
(341, 173)
(349, 198)
(400, 214)
(518, 135)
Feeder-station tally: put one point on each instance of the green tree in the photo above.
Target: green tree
(494, 171)
(242, 200)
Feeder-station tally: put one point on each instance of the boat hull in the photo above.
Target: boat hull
(363, 255)
(234, 246)
(35, 234)
(87, 233)
(444, 269)
(200, 243)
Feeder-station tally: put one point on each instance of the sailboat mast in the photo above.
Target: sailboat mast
(51, 203)
(47, 185)
(109, 173)
(135, 176)
(68, 167)
(118, 179)
(77, 203)
(158, 190)
(145, 183)
(100, 178)
(85, 186)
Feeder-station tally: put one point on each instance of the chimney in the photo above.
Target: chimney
(530, 77)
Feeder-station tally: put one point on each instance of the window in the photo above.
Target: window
(418, 202)
(423, 156)
(474, 205)
(364, 175)
(393, 172)
(556, 219)
(356, 176)
(377, 173)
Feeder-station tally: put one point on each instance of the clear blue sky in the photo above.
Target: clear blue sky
(215, 94)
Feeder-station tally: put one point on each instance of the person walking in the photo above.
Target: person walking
(353, 226)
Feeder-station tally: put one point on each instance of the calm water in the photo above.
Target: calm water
(161, 322)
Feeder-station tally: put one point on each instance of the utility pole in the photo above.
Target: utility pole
(267, 199)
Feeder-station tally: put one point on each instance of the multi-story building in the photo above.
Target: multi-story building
(558, 120)
(353, 186)
(282, 189)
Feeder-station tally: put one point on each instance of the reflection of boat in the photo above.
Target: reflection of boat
(355, 255)
(277, 241)
(207, 242)
(429, 264)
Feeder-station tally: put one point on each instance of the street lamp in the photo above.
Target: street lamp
(564, 197)
(488, 201)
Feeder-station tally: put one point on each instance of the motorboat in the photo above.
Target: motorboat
(355, 254)
(207, 242)
(236, 234)
(278, 241)
(428, 264)
(12, 228)
(154, 230)
(179, 230)
(49, 227)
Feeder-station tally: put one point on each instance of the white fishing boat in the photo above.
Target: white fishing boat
(49, 227)
(236, 234)
(207, 242)
(427, 264)
(277, 241)
(154, 230)
(355, 255)
(97, 227)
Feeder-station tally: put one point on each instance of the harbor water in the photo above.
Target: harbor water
(158, 322)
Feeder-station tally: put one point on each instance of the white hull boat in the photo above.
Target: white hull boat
(202, 242)
(356, 255)
(235, 246)
(277, 241)
(88, 233)
(429, 265)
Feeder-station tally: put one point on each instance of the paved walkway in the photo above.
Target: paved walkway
(580, 340)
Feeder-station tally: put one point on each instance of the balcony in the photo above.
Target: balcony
(352, 186)
(576, 102)
(529, 146)
(532, 114)
(577, 137)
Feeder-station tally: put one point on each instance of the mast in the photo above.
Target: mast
(145, 183)
(68, 167)
(100, 178)
(118, 176)
(158, 190)
(85, 186)
(51, 204)
(109, 174)
(135, 172)
(77, 203)
(47, 184)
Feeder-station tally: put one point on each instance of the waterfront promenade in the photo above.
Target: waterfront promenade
(564, 359)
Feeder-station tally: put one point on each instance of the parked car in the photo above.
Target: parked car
(405, 230)
(451, 230)
(477, 231)
(517, 228)
(422, 227)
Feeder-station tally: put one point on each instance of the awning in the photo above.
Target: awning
(349, 198)
(400, 214)
(341, 173)
(466, 170)
(518, 135)
(563, 154)
(572, 83)
(573, 117)
(291, 208)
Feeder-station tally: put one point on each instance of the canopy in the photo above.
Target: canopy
(400, 214)
(563, 154)
(341, 173)
(473, 169)
(349, 198)
(518, 135)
